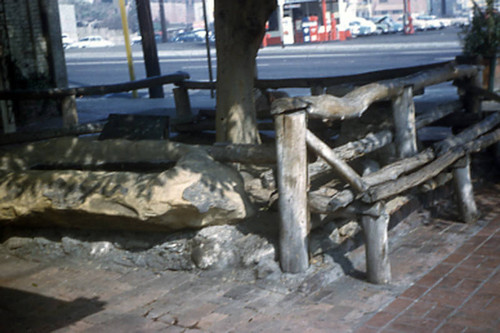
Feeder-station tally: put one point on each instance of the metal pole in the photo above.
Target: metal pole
(163, 23)
(149, 50)
(209, 57)
(323, 12)
(126, 36)
(281, 4)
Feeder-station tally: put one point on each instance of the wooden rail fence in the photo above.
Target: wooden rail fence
(67, 95)
(367, 196)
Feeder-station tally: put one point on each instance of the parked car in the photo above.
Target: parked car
(418, 25)
(190, 36)
(362, 27)
(430, 22)
(92, 41)
(137, 40)
(66, 40)
(386, 24)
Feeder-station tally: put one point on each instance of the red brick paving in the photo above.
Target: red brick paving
(461, 294)
(446, 278)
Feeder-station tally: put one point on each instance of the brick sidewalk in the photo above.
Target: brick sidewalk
(461, 294)
(455, 266)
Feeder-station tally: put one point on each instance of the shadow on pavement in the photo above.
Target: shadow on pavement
(22, 311)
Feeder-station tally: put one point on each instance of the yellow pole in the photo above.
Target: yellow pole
(123, 13)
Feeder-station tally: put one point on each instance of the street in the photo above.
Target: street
(359, 55)
(362, 54)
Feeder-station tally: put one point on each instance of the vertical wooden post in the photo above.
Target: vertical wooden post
(8, 117)
(378, 268)
(69, 112)
(293, 185)
(403, 110)
(473, 102)
(317, 90)
(182, 103)
(464, 190)
(470, 100)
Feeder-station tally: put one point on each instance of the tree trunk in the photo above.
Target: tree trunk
(239, 28)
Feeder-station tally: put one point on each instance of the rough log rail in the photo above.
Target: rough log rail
(175, 78)
(23, 137)
(68, 95)
(366, 195)
(357, 101)
(80, 154)
(354, 80)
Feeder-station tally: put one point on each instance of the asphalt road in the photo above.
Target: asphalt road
(362, 54)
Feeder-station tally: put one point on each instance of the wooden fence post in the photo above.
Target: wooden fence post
(8, 117)
(403, 110)
(464, 190)
(471, 101)
(69, 112)
(182, 103)
(378, 268)
(292, 185)
(317, 90)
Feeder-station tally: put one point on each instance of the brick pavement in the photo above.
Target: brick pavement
(445, 278)
(461, 294)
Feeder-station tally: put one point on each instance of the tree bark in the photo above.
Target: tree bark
(239, 28)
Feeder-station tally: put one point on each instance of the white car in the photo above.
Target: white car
(66, 40)
(430, 22)
(92, 41)
(362, 27)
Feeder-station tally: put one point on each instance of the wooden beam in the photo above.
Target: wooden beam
(292, 185)
(357, 101)
(464, 190)
(378, 268)
(358, 79)
(399, 185)
(396, 169)
(8, 117)
(88, 154)
(403, 112)
(182, 104)
(482, 142)
(439, 112)
(69, 112)
(436, 182)
(430, 170)
(341, 168)
(469, 134)
(352, 150)
(474, 92)
(23, 137)
(93, 90)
